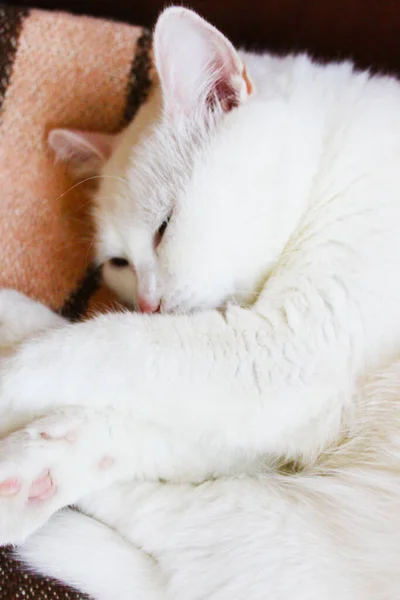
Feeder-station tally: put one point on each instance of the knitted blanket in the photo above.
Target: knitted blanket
(57, 70)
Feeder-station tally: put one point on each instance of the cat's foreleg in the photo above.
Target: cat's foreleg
(217, 388)
(56, 460)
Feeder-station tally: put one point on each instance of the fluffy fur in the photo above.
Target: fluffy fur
(274, 419)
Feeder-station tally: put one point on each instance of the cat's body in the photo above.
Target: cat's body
(281, 183)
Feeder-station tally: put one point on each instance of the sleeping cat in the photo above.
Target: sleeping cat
(263, 203)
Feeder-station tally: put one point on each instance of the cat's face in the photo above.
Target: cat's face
(180, 215)
(177, 227)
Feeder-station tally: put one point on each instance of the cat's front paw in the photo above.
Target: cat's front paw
(21, 317)
(47, 465)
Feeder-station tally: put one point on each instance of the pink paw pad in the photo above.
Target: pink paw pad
(10, 487)
(69, 437)
(106, 463)
(43, 487)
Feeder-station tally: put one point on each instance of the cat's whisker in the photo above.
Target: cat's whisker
(90, 252)
(91, 179)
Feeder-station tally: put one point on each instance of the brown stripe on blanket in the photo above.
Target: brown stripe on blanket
(16, 583)
(77, 304)
(11, 19)
(140, 79)
(139, 85)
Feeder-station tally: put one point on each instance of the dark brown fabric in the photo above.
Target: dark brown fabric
(11, 20)
(139, 80)
(18, 584)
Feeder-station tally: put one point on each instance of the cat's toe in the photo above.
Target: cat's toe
(56, 431)
(47, 465)
(24, 506)
(31, 466)
(43, 486)
(10, 487)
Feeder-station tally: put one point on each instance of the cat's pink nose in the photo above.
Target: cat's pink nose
(145, 306)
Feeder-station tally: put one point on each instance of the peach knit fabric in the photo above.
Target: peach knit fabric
(64, 71)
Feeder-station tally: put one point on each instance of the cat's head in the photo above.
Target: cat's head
(181, 216)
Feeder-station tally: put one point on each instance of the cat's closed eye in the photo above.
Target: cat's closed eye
(163, 226)
(119, 262)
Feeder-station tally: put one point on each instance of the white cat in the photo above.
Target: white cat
(270, 191)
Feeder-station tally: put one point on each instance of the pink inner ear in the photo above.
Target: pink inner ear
(81, 146)
(226, 94)
(103, 142)
(197, 64)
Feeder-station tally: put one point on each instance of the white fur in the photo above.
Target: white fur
(85, 553)
(284, 212)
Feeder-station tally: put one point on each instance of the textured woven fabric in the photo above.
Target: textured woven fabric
(18, 584)
(56, 70)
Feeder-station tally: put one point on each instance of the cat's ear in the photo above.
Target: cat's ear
(197, 65)
(85, 152)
